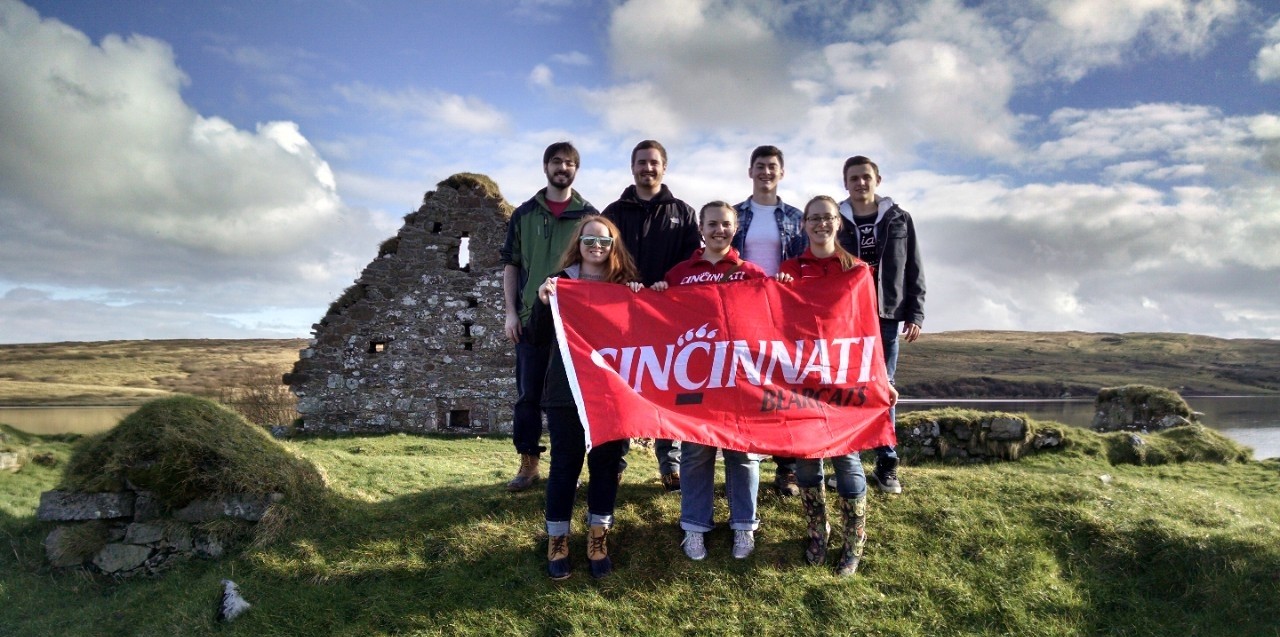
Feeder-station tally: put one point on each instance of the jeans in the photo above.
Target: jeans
(531, 374)
(851, 481)
(786, 466)
(568, 451)
(668, 454)
(889, 341)
(697, 487)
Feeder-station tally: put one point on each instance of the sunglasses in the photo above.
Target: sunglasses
(590, 241)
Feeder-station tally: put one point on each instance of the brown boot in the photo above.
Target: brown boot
(558, 557)
(598, 551)
(815, 508)
(527, 475)
(855, 535)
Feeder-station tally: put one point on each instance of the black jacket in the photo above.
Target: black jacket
(658, 233)
(899, 272)
(542, 331)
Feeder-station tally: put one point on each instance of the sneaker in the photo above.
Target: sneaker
(693, 545)
(744, 542)
(671, 481)
(886, 475)
(786, 484)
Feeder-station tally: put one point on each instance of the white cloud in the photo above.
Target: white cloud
(1267, 64)
(572, 58)
(435, 111)
(541, 76)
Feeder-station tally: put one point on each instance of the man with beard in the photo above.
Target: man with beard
(659, 231)
(537, 235)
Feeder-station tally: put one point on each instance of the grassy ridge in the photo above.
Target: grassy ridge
(944, 365)
(421, 539)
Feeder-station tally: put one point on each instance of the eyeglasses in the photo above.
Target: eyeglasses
(820, 219)
(563, 163)
(591, 240)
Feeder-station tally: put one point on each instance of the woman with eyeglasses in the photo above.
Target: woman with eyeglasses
(594, 255)
(825, 257)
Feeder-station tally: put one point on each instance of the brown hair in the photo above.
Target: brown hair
(846, 258)
(717, 204)
(858, 160)
(619, 268)
(647, 144)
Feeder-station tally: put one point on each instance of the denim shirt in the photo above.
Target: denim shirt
(790, 229)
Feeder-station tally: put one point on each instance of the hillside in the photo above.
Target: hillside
(943, 365)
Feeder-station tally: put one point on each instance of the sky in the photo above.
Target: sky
(225, 169)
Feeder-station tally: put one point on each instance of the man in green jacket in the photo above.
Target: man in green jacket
(537, 235)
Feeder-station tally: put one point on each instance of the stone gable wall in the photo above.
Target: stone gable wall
(417, 343)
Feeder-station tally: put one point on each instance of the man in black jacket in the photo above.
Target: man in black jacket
(879, 232)
(659, 231)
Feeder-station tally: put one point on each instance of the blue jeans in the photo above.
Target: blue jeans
(531, 374)
(697, 487)
(889, 341)
(851, 481)
(568, 451)
(668, 454)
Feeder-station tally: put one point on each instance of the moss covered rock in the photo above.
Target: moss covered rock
(1140, 408)
(184, 448)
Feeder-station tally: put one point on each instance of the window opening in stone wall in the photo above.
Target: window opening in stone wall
(436, 227)
(459, 419)
(467, 339)
(473, 302)
(377, 347)
(464, 253)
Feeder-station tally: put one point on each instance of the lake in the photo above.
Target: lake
(1250, 420)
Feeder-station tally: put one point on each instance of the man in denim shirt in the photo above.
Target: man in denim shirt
(768, 245)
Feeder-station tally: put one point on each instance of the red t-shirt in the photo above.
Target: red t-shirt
(807, 266)
(698, 270)
(557, 208)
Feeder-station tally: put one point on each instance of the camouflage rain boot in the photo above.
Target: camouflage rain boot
(598, 551)
(526, 475)
(815, 509)
(855, 535)
(558, 557)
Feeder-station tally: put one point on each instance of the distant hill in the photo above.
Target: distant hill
(943, 365)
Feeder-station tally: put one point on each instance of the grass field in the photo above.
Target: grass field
(945, 365)
(419, 538)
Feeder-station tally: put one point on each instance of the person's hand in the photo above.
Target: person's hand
(512, 327)
(910, 332)
(635, 286)
(893, 395)
(783, 277)
(659, 286)
(547, 290)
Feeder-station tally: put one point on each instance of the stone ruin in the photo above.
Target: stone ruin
(1140, 408)
(130, 532)
(417, 343)
(991, 437)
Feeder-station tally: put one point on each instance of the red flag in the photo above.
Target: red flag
(787, 369)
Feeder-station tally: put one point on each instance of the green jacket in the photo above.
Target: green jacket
(536, 241)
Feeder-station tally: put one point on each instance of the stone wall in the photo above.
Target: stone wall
(964, 438)
(417, 343)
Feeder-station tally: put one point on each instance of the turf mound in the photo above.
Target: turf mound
(186, 448)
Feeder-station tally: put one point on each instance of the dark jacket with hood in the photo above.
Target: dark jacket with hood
(899, 272)
(659, 233)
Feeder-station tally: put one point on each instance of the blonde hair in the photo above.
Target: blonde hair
(618, 268)
(846, 258)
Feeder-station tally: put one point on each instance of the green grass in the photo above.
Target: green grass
(421, 539)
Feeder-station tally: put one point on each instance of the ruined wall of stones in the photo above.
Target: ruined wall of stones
(417, 343)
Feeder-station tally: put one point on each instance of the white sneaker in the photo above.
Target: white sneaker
(694, 547)
(744, 542)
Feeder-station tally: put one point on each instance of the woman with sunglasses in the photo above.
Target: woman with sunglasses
(594, 255)
(825, 257)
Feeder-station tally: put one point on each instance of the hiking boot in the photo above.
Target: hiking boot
(744, 542)
(671, 481)
(786, 485)
(886, 475)
(815, 509)
(598, 551)
(693, 545)
(527, 475)
(855, 535)
(558, 557)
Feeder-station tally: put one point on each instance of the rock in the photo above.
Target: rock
(243, 507)
(115, 558)
(65, 506)
(9, 461)
(207, 546)
(143, 533)
(1139, 408)
(1046, 439)
(1007, 429)
(231, 604)
(146, 507)
(1105, 478)
(58, 551)
(178, 537)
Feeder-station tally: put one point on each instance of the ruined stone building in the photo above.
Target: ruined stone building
(417, 343)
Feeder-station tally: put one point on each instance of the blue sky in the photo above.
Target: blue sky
(220, 170)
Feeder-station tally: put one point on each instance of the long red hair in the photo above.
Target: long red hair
(619, 267)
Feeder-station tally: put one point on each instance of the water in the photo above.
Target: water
(1249, 420)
